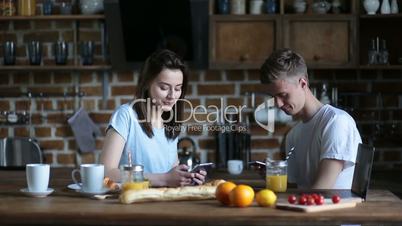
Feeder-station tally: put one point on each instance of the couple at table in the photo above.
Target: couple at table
(325, 138)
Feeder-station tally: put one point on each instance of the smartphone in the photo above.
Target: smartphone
(257, 164)
(202, 166)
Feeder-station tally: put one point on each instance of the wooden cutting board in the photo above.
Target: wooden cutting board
(328, 205)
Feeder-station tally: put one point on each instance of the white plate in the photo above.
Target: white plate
(77, 187)
(37, 194)
(101, 192)
(74, 186)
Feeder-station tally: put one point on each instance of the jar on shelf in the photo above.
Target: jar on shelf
(91, 6)
(27, 7)
(223, 7)
(299, 6)
(238, 7)
(256, 7)
(8, 7)
(133, 178)
(371, 6)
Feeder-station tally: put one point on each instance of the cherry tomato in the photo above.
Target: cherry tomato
(310, 200)
(336, 199)
(315, 196)
(319, 200)
(302, 200)
(292, 199)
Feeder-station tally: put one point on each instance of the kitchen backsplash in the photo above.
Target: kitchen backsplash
(373, 97)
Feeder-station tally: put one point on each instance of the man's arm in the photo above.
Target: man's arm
(328, 171)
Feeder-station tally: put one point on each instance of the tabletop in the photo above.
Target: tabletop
(67, 207)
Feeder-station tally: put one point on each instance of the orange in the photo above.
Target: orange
(241, 196)
(266, 197)
(222, 192)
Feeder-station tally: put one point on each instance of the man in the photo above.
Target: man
(326, 138)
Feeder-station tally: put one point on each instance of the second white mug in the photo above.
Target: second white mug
(92, 176)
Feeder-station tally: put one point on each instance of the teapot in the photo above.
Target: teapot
(321, 7)
(186, 150)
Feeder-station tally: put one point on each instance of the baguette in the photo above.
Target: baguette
(206, 191)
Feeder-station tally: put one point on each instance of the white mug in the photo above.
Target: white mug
(235, 166)
(37, 177)
(92, 176)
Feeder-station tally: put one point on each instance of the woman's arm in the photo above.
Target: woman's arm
(113, 146)
(177, 176)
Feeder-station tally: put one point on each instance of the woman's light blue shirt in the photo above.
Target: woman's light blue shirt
(157, 154)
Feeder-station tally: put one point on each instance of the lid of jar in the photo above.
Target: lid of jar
(135, 168)
(280, 163)
(138, 168)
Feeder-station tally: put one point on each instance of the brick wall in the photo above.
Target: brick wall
(372, 97)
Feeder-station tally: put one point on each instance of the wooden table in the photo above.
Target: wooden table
(66, 207)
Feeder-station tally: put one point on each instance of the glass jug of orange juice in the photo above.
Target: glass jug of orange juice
(133, 178)
(276, 175)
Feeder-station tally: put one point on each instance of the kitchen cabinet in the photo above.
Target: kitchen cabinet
(48, 64)
(242, 41)
(324, 42)
(328, 40)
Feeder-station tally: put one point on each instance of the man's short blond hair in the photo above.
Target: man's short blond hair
(283, 64)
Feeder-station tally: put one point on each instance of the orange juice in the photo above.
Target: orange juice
(136, 185)
(277, 183)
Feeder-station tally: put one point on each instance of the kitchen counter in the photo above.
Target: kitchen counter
(67, 207)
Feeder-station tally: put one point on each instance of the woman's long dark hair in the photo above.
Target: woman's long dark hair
(155, 63)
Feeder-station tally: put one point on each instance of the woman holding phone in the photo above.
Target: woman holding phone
(149, 126)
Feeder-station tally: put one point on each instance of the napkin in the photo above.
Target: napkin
(85, 130)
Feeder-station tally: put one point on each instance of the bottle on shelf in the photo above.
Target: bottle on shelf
(324, 94)
(385, 7)
(372, 53)
(383, 54)
(394, 7)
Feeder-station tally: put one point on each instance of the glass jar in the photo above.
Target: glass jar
(8, 8)
(26, 7)
(276, 175)
(133, 178)
(238, 7)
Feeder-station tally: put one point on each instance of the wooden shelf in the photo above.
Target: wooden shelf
(53, 17)
(382, 16)
(245, 17)
(380, 67)
(55, 68)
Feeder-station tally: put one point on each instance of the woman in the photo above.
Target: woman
(149, 126)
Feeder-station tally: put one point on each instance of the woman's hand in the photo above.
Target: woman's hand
(178, 176)
(199, 177)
